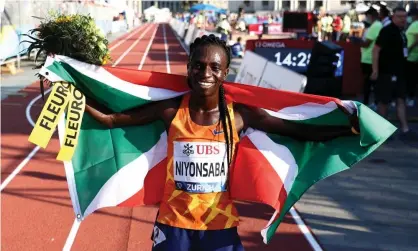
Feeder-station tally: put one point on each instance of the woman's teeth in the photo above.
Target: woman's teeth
(205, 84)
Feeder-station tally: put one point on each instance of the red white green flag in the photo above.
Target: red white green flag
(127, 166)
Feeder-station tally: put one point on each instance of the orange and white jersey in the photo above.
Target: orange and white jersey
(195, 193)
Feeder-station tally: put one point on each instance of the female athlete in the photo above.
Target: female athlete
(196, 212)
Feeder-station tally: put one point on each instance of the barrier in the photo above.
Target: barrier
(258, 71)
(251, 69)
(190, 35)
(288, 81)
(278, 51)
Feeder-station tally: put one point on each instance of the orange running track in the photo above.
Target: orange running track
(36, 209)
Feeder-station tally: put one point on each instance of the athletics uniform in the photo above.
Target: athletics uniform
(196, 200)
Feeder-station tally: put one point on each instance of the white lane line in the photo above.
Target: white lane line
(147, 49)
(31, 103)
(295, 215)
(71, 236)
(19, 167)
(167, 60)
(131, 47)
(34, 150)
(305, 230)
(125, 39)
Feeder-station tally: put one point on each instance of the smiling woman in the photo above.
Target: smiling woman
(203, 128)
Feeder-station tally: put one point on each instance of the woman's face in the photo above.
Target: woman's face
(207, 70)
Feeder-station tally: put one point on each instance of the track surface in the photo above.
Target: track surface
(36, 210)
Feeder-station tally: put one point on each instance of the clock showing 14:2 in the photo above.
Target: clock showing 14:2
(294, 59)
(297, 59)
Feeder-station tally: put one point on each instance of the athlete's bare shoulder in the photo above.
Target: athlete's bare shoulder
(168, 109)
(238, 113)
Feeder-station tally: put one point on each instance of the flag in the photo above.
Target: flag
(127, 166)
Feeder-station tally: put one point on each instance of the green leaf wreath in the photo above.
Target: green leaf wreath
(75, 36)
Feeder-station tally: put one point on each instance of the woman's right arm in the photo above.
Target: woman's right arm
(136, 116)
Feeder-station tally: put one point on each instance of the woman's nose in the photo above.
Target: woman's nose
(207, 71)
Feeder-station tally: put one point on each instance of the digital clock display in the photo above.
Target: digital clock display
(295, 59)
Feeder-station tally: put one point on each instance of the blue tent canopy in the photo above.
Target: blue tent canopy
(205, 7)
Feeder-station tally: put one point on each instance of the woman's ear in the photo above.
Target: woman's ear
(226, 73)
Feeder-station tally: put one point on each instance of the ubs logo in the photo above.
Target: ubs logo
(188, 149)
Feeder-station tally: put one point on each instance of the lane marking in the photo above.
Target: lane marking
(167, 60)
(71, 236)
(126, 39)
(131, 47)
(147, 49)
(305, 230)
(295, 215)
(31, 103)
(34, 150)
(19, 167)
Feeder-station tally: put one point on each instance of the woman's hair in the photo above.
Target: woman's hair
(225, 118)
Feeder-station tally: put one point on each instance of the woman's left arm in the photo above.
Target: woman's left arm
(259, 119)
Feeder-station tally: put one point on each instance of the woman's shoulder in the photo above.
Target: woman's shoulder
(172, 103)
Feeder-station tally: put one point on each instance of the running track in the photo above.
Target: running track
(36, 210)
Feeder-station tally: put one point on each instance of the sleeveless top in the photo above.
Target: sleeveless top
(195, 195)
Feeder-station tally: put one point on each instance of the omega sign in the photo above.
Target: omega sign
(265, 44)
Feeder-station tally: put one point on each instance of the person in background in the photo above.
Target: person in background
(324, 22)
(346, 28)
(224, 28)
(412, 60)
(337, 25)
(237, 49)
(372, 17)
(388, 64)
(384, 15)
(328, 27)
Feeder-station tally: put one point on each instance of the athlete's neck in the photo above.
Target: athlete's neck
(204, 104)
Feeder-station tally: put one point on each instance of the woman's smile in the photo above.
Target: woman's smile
(206, 85)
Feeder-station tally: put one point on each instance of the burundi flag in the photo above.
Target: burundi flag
(126, 166)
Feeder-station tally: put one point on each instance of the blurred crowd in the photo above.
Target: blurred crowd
(389, 60)
(335, 27)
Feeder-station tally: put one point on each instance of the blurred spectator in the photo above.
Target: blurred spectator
(412, 60)
(346, 28)
(224, 28)
(384, 15)
(326, 23)
(237, 49)
(372, 17)
(389, 60)
(337, 25)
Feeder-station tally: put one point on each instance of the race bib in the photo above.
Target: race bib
(200, 167)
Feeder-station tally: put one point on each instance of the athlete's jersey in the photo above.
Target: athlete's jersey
(195, 193)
